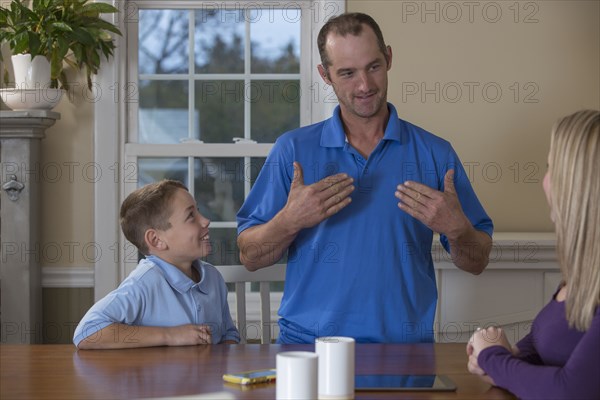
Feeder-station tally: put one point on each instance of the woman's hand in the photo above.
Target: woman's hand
(482, 339)
(488, 337)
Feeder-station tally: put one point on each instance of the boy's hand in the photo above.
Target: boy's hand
(184, 335)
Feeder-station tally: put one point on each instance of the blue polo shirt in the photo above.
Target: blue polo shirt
(157, 293)
(366, 272)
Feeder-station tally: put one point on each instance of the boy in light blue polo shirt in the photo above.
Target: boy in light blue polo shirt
(171, 298)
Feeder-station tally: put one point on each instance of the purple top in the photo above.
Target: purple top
(554, 361)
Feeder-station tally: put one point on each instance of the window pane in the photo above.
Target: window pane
(219, 41)
(219, 187)
(224, 247)
(155, 169)
(163, 111)
(275, 109)
(275, 38)
(220, 106)
(163, 42)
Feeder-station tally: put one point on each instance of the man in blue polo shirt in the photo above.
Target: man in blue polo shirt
(356, 200)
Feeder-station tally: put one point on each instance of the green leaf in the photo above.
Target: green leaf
(94, 60)
(63, 47)
(61, 26)
(3, 18)
(39, 5)
(20, 43)
(77, 51)
(107, 49)
(101, 8)
(34, 43)
(104, 37)
(83, 36)
(102, 24)
(25, 13)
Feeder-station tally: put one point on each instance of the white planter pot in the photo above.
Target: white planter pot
(31, 74)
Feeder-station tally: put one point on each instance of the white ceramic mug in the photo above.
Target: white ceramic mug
(336, 367)
(296, 375)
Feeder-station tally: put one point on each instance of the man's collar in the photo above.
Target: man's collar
(333, 134)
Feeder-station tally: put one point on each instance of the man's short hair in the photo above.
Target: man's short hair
(349, 23)
(147, 208)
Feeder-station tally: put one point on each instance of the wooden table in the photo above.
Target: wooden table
(62, 372)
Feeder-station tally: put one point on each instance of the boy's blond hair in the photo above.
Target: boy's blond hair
(147, 208)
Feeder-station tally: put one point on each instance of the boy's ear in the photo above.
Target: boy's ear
(154, 241)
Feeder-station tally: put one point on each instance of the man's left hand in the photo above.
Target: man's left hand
(440, 211)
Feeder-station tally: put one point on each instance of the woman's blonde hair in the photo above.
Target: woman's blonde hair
(575, 201)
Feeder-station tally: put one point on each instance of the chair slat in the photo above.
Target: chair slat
(239, 275)
(265, 312)
(240, 306)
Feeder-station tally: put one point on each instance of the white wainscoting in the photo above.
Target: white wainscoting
(68, 277)
(522, 276)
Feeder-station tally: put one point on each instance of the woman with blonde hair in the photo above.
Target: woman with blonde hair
(560, 357)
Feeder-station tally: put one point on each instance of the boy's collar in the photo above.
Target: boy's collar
(177, 279)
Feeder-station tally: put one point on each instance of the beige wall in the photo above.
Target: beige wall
(558, 57)
(68, 173)
(68, 209)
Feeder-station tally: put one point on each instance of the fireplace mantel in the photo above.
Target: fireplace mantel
(21, 133)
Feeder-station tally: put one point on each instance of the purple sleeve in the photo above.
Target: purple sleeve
(527, 351)
(577, 379)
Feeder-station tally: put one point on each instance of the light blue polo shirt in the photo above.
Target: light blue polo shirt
(366, 272)
(157, 293)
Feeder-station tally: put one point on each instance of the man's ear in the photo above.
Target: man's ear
(154, 241)
(389, 57)
(324, 74)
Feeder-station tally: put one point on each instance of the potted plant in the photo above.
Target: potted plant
(62, 31)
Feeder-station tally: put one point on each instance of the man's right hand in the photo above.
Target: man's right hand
(308, 205)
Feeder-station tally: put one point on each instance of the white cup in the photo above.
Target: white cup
(336, 367)
(296, 375)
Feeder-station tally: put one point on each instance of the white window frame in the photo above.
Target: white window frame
(114, 156)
